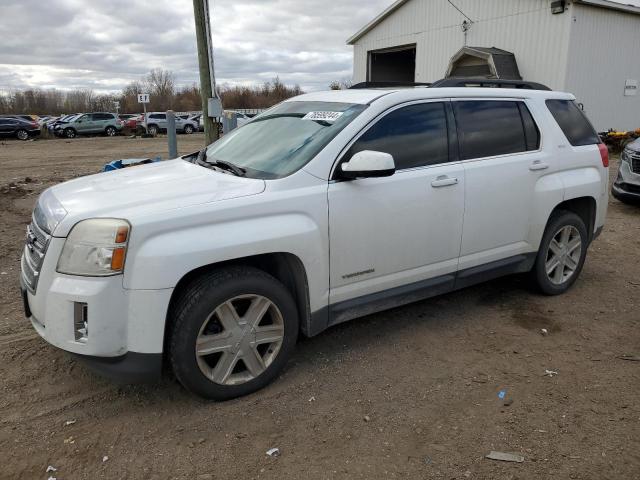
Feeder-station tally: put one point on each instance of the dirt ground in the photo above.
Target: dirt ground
(408, 393)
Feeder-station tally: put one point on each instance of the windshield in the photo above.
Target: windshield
(283, 139)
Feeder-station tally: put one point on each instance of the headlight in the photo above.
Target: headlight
(626, 156)
(95, 248)
(49, 212)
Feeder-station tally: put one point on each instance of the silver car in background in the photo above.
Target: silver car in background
(626, 188)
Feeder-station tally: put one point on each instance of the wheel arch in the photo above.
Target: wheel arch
(585, 207)
(285, 267)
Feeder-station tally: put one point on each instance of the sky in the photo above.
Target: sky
(104, 45)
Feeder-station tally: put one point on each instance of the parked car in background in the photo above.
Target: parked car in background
(28, 118)
(626, 188)
(157, 123)
(129, 120)
(90, 123)
(19, 128)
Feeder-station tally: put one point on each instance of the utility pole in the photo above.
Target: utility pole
(211, 104)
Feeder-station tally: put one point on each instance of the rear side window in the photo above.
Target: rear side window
(573, 122)
(487, 128)
(102, 116)
(415, 136)
(160, 116)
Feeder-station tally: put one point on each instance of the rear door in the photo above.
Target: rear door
(7, 126)
(392, 232)
(499, 145)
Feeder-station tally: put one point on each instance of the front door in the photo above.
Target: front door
(387, 234)
(84, 124)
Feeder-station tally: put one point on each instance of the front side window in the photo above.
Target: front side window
(285, 138)
(415, 135)
(573, 122)
(487, 128)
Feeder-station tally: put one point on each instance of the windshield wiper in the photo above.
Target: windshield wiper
(222, 164)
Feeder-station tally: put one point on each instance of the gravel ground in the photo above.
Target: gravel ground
(407, 393)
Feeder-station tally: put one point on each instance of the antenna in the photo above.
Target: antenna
(466, 24)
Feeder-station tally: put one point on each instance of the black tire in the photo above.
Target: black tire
(110, 131)
(539, 276)
(188, 129)
(70, 133)
(196, 303)
(22, 134)
(153, 130)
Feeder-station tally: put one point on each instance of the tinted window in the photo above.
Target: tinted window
(531, 132)
(157, 115)
(488, 128)
(102, 116)
(573, 122)
(415, 135)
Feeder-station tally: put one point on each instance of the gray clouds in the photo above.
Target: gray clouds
(105, 45)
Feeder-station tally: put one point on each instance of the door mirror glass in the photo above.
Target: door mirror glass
(368, 164)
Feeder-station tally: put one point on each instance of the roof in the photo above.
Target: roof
(501, 63)
(614, 5)
(360, 96)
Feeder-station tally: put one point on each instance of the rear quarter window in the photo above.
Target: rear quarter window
(573, 122)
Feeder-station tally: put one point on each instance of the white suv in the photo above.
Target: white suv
(329, 206)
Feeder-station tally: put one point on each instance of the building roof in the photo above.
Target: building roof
(614, 5)
(502, 64)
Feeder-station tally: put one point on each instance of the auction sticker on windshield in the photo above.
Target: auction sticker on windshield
(323, 116)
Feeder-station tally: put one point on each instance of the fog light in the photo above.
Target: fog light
(80, 322)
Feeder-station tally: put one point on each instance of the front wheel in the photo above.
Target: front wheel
(232, 332)
(70, 133)
(188, 129)
(562, 253)
(153, 130)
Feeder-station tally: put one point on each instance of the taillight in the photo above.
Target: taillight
(34, 124)
(604, 154)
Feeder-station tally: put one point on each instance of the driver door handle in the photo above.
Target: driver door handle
(444, 181)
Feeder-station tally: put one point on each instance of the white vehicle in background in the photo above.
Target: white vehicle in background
(626, 188)
(327, 207)
(157, 123)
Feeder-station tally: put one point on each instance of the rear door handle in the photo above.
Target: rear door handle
(444, 181)
(538, 165)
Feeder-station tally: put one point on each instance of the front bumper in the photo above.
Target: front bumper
(125, 328)
(627, 184)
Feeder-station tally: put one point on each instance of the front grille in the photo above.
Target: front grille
(634, 161)
(33, 256)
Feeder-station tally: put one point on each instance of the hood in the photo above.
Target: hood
(634, 146)
(148, 188)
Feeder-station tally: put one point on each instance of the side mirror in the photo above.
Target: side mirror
(368, 164)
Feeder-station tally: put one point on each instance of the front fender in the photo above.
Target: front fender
(162, 259)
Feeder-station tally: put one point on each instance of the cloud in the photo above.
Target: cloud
(105, 45)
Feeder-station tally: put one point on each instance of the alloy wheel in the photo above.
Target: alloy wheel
(563, 254)
(239, 340)
(23, 135)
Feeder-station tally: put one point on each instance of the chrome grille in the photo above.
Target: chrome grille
(633, 158)
(34, 250)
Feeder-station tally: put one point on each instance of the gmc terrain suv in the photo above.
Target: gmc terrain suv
(328, 206)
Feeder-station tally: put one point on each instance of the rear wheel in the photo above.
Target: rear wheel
(562, 253)
(22, 134)
(110, 131)
(69, 133)
(233, 331)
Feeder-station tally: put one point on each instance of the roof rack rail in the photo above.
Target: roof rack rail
(387, 85)
(488, 83)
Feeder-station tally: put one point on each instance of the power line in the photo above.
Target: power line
(463, 14)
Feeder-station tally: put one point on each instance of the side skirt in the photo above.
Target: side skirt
(414, 292)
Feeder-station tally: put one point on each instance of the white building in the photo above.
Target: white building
(590, 48)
